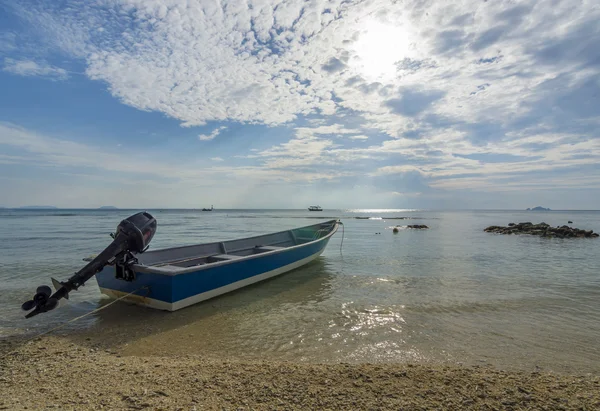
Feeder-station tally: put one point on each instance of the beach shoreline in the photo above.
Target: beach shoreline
(56, 372)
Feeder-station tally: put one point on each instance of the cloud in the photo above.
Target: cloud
(488, 38)
(413, 102)
(396, 170)
(450, 40)
(336, 64)
(470, 91)
(10, 159)
(331, 129)
(396, 193)
(211, 136)
(489, 60)
(7, 42)
(30, 68)
(55, 153)
(578, 45)
(404, 166)
(273, 62)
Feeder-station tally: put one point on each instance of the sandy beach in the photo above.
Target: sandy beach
(59, 373)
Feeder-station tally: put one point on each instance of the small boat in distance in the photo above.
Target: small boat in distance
(208, 209)
(315, 208)
(174, 278)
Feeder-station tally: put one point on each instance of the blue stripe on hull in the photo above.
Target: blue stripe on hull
(173, 288)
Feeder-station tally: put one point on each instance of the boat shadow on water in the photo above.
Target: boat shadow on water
(125, 324)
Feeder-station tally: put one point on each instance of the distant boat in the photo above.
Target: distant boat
(208, 209)
(315, 208)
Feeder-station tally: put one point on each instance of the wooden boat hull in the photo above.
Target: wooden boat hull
(172, 290)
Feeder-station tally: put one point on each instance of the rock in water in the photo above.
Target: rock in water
(415, 226)
(542, 230)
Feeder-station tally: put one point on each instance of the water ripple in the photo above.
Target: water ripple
(448, 294)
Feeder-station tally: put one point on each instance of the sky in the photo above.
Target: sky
(286, 104)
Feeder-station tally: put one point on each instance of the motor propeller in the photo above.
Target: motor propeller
(133, 236)
(41, 299)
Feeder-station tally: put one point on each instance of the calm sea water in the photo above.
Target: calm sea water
(448, 294)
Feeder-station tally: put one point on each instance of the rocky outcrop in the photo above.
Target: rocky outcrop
(415, 226)
(542, 230)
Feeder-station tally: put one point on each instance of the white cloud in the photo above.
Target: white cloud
(7, 159)
(211, 136)
(269, 62)
(485, 88)
(7, 42)
(568, 179)
(327, 130)
(396, 170)
(33, 68)
(397, 193)
(47, 151)
(291, 166)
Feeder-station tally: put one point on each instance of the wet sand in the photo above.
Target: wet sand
(65, 373)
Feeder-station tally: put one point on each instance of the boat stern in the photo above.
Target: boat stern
(145, 289)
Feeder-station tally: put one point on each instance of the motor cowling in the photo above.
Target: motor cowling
(139, 230)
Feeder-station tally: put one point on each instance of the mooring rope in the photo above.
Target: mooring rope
(342, 224)
(78, 318)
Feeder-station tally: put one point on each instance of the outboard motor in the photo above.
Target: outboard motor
(132, 237)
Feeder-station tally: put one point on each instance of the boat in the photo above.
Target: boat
(315, 208)
(208, 209)
(173, 278)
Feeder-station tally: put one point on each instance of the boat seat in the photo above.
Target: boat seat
(268, 247)
(226, 256)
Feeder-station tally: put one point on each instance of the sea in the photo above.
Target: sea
(449, 294)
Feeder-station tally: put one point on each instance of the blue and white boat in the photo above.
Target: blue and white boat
(178, 277)
(174, 278)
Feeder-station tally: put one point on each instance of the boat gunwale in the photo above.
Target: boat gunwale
(185, 270)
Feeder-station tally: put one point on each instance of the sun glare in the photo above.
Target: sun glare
(378, 47)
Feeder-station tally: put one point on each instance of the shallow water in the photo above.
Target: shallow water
(448, 294)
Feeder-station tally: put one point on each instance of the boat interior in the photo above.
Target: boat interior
(201, 254)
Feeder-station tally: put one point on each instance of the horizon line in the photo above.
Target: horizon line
(47, 208)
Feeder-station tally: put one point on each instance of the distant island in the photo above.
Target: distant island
(39, 207)
(107, 208)
(538, 208)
